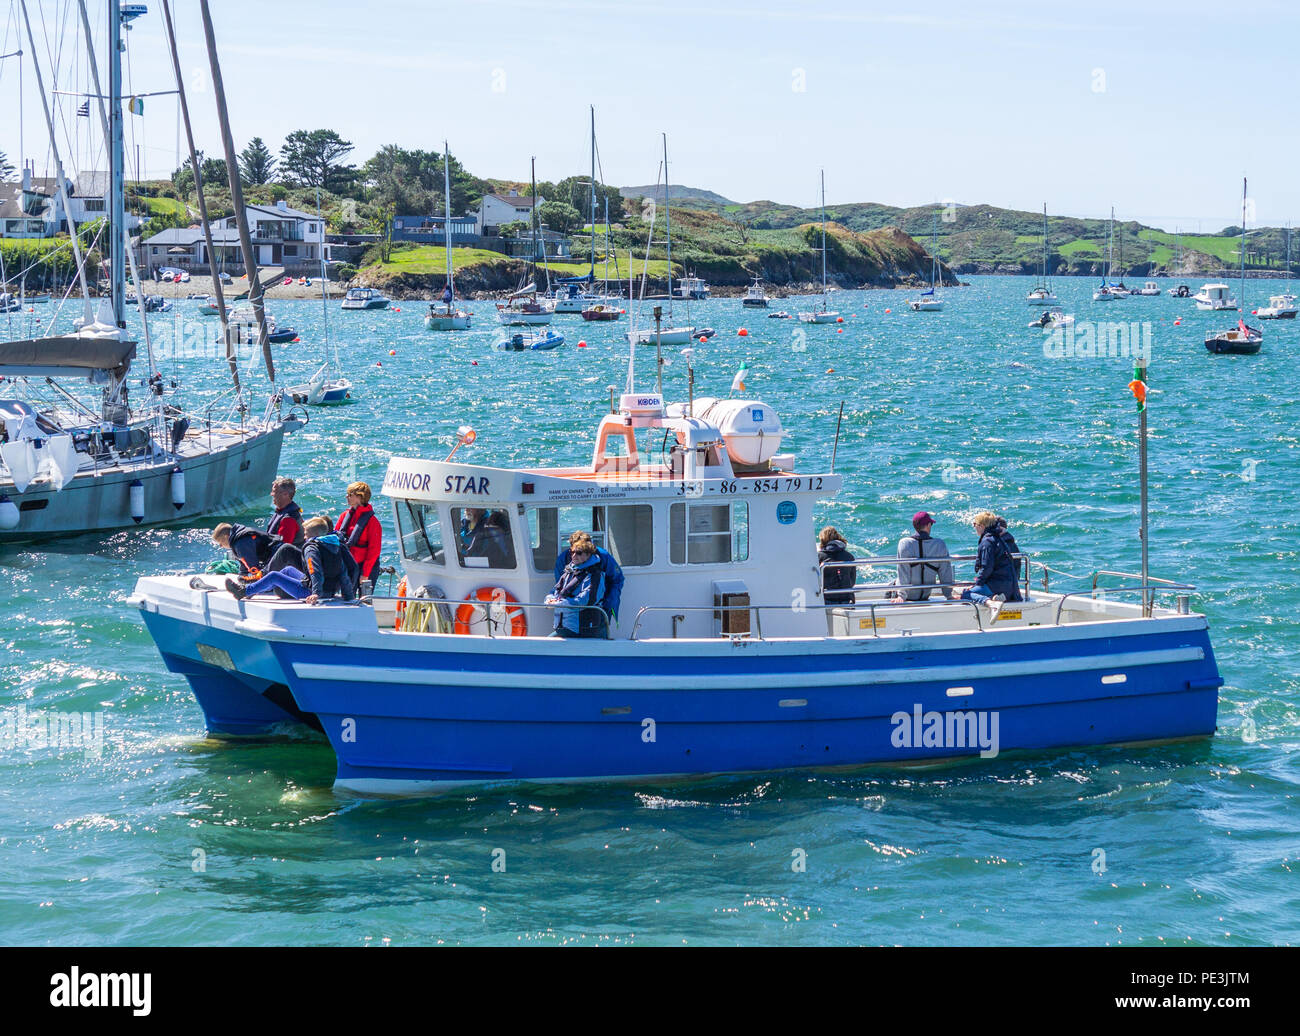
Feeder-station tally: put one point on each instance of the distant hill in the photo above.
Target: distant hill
(680, 193)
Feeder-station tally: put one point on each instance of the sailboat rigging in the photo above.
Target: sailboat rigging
(824, 314)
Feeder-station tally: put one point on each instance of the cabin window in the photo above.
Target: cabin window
(626, 531)
(483, 538)
(708, 534)
(420, 532)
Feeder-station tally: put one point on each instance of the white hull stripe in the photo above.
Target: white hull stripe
(747, 681)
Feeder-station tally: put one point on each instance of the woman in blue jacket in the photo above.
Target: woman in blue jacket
(581, 588)
(995, 569)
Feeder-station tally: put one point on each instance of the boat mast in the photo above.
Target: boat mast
(934, 247)
(1243, 248)
(825, 300)
(446, 192)
(592, 210)
(1045, 283)
(668, 229)
(237, 194)
(536, 227)
(218, 291)
(117, 172)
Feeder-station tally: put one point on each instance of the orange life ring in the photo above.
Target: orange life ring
(487, 594)
(401, 603)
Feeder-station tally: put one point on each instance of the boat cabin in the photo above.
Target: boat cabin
(700, 511)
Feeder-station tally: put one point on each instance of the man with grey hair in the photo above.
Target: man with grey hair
(918, 580)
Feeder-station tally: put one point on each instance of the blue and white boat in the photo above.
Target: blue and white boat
(722, 656)
(524, 341)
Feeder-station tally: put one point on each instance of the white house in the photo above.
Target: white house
(281, 237)
(496, 210)
(33, 207)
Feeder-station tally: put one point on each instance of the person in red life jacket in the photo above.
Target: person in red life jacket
(358, 528)
(287, 524)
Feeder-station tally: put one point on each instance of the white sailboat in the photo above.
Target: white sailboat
(672, 334)
(522, 307)
(928, 301)
(1283, 306)
(1042, 294)
(1107, 292)
(322, 389)
(71, 466)
(824, 314)
(448, 316)
(1242, 340)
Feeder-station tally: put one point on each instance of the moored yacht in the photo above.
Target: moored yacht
(1243, 339)
(1214, 297)
(692, 287)
(822, 314)
(365, 298)
(1280, 307)
(755, 297)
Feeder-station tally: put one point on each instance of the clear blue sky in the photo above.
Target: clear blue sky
(1158, 109)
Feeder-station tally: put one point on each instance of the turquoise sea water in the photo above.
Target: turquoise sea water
(168, 837)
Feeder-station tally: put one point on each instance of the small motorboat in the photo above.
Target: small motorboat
(780, 314)
(692, 287)
(1052, 319)
(1241, 340)
(703, 334)
(37, 300)
(1180, 292)
(755, 297)
(601, 311)
(1151, 288)
(1280, 307)
(365, 298)
(524, 341)
(1215, 297)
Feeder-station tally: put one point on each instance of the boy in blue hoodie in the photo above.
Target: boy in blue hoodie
(331, 570)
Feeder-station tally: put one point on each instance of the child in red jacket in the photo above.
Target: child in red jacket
(358, 528)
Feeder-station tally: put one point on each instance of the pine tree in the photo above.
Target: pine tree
(256, 165)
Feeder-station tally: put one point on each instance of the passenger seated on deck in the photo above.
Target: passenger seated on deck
(285, 523)
(995, 569)
(919, 579)
(839, 575)
(331, 570)
(614, 578)
(581, 587)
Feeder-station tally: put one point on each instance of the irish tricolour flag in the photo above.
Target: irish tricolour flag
(738, 382)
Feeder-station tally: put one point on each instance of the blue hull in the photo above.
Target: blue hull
(406, 720)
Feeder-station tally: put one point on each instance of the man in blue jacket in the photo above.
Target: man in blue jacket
(614, 578)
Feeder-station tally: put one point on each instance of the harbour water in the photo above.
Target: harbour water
(153, 834)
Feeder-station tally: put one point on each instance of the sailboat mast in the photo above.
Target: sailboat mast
(117, 167)
(825, 300)
(1243, 245)
(592, 210)
(1045, 284)
(446, 197)
(668, 226)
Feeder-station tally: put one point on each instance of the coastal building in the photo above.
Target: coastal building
(32, 207)
(282, 236)
(496, 210)
(431, 230)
